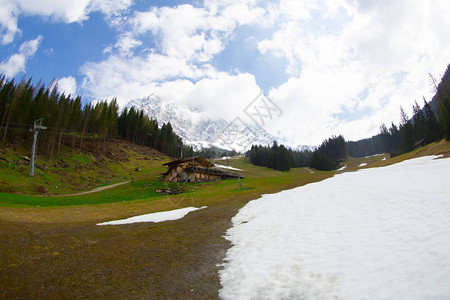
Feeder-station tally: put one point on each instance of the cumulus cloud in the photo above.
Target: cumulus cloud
(353, 79)
(126, 44)
(224, 95)
(185, 31)
(16, 62)
(67, 85)
(67, 11)
(187, 38)
(351, 63)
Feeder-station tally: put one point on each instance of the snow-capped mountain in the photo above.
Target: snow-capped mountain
(302, 148)
(200, 131)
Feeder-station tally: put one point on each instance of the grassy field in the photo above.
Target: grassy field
(75, 169)
(51, 246)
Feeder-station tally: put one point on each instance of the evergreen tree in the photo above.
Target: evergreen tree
(443, 99)
(406, 132)
(69, 122)
(433, 130)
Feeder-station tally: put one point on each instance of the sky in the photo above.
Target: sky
(330, 66)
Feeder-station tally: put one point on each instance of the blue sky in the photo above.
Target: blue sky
(332, 66)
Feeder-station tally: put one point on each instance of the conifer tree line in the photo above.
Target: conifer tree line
(442, 98)
(281, 158)
(68, 122)
(329, 154)
(400, 139)
(424, 125)
(278, 157)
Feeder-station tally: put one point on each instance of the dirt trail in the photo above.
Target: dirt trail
(99, 189)
(309, 170)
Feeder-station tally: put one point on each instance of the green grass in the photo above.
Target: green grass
(257, 180)
(75, 170)
(127, 192)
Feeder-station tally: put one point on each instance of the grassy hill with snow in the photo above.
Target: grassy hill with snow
(52, 247)
(441, 147)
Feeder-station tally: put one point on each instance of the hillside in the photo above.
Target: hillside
(57, 250)
(75, 169)
(441, 147)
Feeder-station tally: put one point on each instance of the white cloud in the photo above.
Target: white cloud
(109, 7)
(352, 63)
(126, 44)
(224, 95)
(129, 78)
(16, 62)
(293, 9)
(68, 85)
(8, 22)
(386, 49)
(67, 11)
(187, 39)
(185, 32)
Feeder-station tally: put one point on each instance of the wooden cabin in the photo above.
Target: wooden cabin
(195, 169)
(419, 144)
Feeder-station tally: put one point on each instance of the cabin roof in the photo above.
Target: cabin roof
(419, 142)
(199, 159)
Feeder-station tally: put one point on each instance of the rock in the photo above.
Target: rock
(169, 191)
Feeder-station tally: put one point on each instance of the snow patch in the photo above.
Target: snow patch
(155, 217)
(362, 165)
(227, 167)
(229, 157)
(342, 168)
(380, 233)
(373, 155)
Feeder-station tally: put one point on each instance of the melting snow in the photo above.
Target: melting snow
(155, 217)
(362, 165)
(373, 155)
(229, 157)
(381, 233)
(342, 168)
(227, 167)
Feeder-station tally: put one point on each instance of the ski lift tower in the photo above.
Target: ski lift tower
(36, 127)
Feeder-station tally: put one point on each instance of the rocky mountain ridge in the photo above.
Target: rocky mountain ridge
(200, 131)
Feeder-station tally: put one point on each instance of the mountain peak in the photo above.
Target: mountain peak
(200, 131)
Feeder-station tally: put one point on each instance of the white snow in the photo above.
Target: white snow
(374, 155)
(155, 217)
(384, 158)
(342, 168)
(227, 167)
(229, 157)
(362, 165)
(380, 233)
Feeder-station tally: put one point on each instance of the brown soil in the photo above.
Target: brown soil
(67, 260)
(99, 189)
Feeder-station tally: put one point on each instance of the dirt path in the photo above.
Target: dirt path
(309, 170)
(99, 189)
